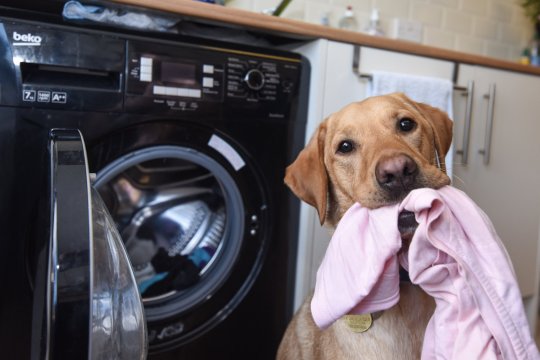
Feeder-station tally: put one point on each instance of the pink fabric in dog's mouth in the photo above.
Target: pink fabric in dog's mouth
(452, 256)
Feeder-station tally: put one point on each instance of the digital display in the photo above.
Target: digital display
(178, 73)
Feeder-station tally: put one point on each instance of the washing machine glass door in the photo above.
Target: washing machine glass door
(192, 210)
(170, 205)
(86, 305)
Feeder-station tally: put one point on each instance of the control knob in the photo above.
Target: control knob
(254, 79)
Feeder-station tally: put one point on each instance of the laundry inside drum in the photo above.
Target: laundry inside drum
(171, 214)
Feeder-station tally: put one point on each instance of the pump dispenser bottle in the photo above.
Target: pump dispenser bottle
(374, 27)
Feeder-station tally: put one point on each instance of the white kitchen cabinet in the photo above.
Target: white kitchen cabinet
(383, 60)
(334, 84)
(310, 232)
(502, 171)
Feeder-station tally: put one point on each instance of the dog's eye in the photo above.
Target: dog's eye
(406, 124)
(345, 147)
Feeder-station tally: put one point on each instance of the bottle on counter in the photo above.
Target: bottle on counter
(325, 19)
(525, 58)
(534, 50)
(374, 27)
(348, 21)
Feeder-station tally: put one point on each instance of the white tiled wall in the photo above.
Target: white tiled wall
(496, 28)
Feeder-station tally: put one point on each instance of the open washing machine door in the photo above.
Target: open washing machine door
(86, 301)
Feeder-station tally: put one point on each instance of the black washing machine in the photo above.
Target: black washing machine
(185, 142)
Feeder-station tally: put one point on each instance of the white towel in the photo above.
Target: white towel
(433, 91)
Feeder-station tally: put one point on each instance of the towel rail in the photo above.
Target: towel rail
(369, 77)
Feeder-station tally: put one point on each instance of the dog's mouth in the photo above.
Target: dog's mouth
(407, 226)
(398, 194)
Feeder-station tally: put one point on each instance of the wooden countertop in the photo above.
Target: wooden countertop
(303, 30)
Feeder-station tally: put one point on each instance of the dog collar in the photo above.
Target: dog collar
(360, 323)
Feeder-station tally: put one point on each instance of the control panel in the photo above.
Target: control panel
(176, 79)
(49, 67)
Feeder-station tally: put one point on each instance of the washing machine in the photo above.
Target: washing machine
(177, 147)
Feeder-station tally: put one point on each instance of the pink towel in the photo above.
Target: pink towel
(455, 256)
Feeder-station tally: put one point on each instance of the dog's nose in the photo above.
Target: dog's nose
(396, 173)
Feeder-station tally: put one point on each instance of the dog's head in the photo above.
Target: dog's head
(372, 152)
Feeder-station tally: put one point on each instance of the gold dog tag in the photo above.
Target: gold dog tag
(359, 323)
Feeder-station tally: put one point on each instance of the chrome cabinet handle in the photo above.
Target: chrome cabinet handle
(486, 151)
(464, 152)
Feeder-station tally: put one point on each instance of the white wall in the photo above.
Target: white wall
(495, 28)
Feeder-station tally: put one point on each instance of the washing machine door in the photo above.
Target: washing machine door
(86, 305)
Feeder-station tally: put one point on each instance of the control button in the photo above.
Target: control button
(208, 69)
(183, 92)
(159, 90)
(171, 91)
(146, 61)
(146, 69)
(254, 79)
(146, 77)
(194, 93)
(208, 82)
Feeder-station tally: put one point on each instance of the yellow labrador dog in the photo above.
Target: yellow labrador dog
(372, 152)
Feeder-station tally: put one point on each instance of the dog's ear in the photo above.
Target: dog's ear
(307, 177)
(442, 129)
(441, 124)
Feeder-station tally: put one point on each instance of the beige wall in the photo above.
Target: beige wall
(496, 28)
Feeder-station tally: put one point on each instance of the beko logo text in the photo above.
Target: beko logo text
(26, 39)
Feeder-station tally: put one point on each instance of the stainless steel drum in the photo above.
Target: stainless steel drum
(172, 206)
